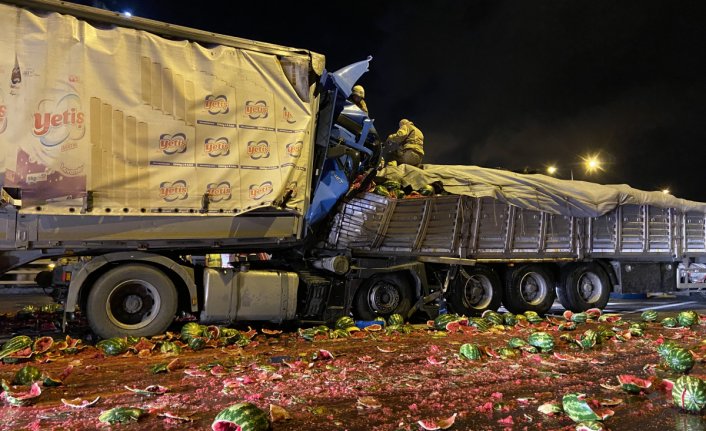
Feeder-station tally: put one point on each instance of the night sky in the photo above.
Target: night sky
(514, 84)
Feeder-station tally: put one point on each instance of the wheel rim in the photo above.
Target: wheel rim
(590, 287)
(478, 291)
(533, 288)
(384, 297)
(133, 304)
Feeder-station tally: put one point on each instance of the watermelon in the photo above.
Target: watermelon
(687, 318)
(399, 193)
(588, 339)
(593, 313)
(509, 319)
(395, 319)
(113, 346)
(632, 384)
(542, 341)
(480, 323)
(241, 417)
(344, 322)
(579, 317)
(42, 344)
(680, 360)
(567, 315)
(444, 319)
(516, 342)
(568, 326)
(392, 185)
(533, 317)
(470, 351)
(669, 322)
(230, 336)
(15, 344)
(197, 343)
(648, 316)
(20, 398)
(426, 190)
(689, 393)
(578, 409)
(636, 330)
(507, 353)
(121, 415)
(27, 375)
(493, 317)
(666, 347)
(590, 426)
(191, 330)
(339, 333)
(382, 191)
(169, 347)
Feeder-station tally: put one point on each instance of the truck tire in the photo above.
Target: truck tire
(585, 285)
(383, 295)
(529, 288)
(474, 290)
(131, 300)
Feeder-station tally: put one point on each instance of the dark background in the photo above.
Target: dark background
(517, 84)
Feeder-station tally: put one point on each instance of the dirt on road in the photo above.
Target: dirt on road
(372, 380)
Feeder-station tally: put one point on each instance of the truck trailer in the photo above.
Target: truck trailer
(132, 151)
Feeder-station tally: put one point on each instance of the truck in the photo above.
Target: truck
(168, 170)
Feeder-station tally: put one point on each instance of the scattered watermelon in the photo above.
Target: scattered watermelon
(20, 398)
(395, 319)
(666, 347)
(493, 317)
(579, 317)
(470, 351)
(689, 393)
(14, 345)
(42, 345)
(426, 190)
(509, 319)
(191, 330)
(588, 339)
(516, 342)
(542, 341)
(533, 317)
(687, 318)
(444, 319)
(669, 322)
(633, 384)
(113, 346)
(344, 322)
(649, 316)
(440, 424)
(578, 409)
(679, 359)
(241, 417)
(27, 375)
(593, 313)
(197, 343)
(121, 415)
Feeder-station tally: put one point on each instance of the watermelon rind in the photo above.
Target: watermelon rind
(649, 316)
(121, 415)
(344, 322)
(632, 384)
(191, 330)
(15, 344)
(243, 417)
(689, 393)
(578, 409)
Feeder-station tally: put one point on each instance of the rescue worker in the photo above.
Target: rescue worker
(410, 141)
(358, 98)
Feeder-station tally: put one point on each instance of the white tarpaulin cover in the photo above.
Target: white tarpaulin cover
(145, 123)
(535, 192)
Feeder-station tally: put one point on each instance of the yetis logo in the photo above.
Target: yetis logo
(215, 147)
(57, 121)
(258, 150)
(256, 110)
(216, 104)
(171, 144)
(258, 192)
(288, 116)
(218, 192)
(295, 149)
(170, 192)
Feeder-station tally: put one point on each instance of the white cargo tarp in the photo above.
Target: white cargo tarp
(149, 125)
(535, 192)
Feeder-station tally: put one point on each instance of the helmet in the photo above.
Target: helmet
(358, 91)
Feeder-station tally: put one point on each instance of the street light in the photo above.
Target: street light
(551, 170)
(592, 163)
(665, 191)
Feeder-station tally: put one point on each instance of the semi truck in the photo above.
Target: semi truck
(133, 151)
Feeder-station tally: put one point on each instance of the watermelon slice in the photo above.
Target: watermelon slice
(578, 409)
(633, 384)
(21, 398)
(78, 403)
(440, 424)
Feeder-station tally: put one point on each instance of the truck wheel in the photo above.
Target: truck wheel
(474, 290)
(131, 300)
(383, 295)
(529, 288)
(585, 286)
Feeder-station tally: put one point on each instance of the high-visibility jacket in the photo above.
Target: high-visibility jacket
(409, 137)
